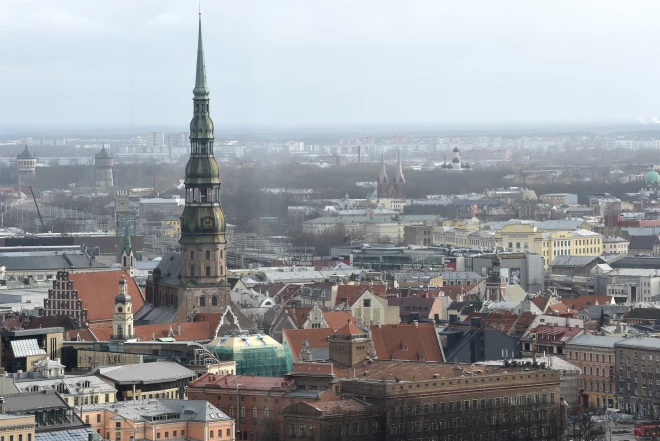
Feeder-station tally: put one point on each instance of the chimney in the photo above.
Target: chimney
(178, 328)
(416, 323)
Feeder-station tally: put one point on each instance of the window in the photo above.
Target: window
(302, 431)
(174, 433)
(210, 434)
(98, 418)
(202, 301)
(254, 415)
(208, 271)
(208, 255)
(192, 270)
(167, 434)
(367, 303)
(192, 255)
(214, 301)
(266, 413)
(118, 424)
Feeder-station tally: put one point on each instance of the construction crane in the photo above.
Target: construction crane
(38, 212)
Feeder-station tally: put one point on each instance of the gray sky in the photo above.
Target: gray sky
(290, 62)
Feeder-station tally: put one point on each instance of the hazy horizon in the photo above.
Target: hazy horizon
(299, 64)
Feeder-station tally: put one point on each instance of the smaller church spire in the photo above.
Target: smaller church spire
(399, 179)
(128, 246)
(382, 176)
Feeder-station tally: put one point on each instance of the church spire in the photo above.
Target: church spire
(201, 126)
(200, 77)
(382, 176)
(399, 179)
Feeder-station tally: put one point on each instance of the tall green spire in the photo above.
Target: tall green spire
(201, 126)
(127, 242)
(200, 78)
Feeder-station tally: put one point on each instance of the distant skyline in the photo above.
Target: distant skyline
(327, 63)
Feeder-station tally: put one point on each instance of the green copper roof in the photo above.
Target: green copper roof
(128, 246)
(200, 78)
(652, 177)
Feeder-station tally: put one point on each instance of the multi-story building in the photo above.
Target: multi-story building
(638, 375)
(559, 198)
(548, 339)
(615, 245)
(159, 420)
(49, 375)
(594, 355)
(155, 142)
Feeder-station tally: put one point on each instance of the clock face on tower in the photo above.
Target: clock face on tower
(207, 222)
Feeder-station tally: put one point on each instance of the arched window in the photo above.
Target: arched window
(254, 415)
(221, 254)
(242, 411)
(231, 411)
(202, 301)
(208, 271)
(120, 330)
(208, 255)
(124, 261)
(222, 270)
(214, 301)
(130, 330)
(192, 270)
(192, 254)
(266, 413)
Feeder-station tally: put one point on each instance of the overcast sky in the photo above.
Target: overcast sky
(311, 62)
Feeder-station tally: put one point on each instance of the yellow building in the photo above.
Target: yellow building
(540, 238)
(172, 227)
(17, 427)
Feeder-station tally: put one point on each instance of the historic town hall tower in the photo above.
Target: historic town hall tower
(203, 242)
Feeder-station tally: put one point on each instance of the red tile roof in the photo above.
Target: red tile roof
(317, 339)
(582, 302)
(353, 292)
(190, 331)
(337, 319)
(350, 329)
(452, 291)
(558, 334)
(84, 334)
(407, 342)
(503, 322)
(541, 302)
(98, 290)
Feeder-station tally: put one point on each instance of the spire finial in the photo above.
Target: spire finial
(200, 8)
(200, 76)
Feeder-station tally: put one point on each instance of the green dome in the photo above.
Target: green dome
(652, 177)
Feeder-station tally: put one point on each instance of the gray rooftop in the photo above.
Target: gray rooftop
(73, 385)
(68, 435)
(146, 410)
(574, 261)
(170, 269)
(639, 342)
(31, 401)
(155, 372)
(598, 341)
(47, 260)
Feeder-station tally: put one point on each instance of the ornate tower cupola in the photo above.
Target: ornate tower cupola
(203, 243)
(495, 285)
(122, 320)
(399, 180)
(127, 256)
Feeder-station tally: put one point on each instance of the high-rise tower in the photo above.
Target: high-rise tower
(203, 242)
(103, 163)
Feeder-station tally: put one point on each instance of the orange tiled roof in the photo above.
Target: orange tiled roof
(582, 302)
(406, 342)
(350, 329)
(316, 337)
(98, 290)
(190, 331)
(84, 334)
(337, 319)
(452, 291)
(353, 292)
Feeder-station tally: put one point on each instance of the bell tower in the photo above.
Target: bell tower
(203, 242)
(122, 320)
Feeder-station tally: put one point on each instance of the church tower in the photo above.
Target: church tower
(122, 320)
(399, 180)
(495, 284)
(383, 188)
(203, 242)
